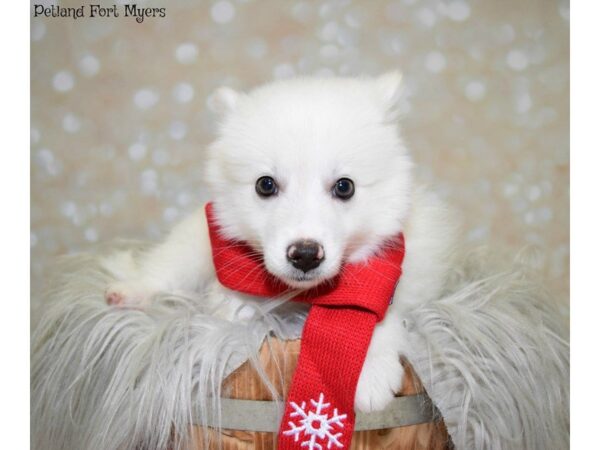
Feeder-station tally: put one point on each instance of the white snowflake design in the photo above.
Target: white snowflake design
(315, 425)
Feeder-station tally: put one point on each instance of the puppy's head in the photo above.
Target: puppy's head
(310, 172)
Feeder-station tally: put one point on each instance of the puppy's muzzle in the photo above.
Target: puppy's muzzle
(305, 254)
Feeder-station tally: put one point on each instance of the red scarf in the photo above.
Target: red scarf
(319, 412)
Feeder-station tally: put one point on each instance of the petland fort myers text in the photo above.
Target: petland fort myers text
(96, 11)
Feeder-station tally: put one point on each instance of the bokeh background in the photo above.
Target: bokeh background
(119, 118)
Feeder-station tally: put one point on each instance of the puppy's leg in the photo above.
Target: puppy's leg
(181, 263)
(382, 372)
(431, 233)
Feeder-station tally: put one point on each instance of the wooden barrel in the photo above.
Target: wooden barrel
(279, 359)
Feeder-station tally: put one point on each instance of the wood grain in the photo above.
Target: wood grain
(278, 359)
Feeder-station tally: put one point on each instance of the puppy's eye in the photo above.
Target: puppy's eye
(266, 186)
(343, 188)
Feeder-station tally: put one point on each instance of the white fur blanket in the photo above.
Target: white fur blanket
(492, 354)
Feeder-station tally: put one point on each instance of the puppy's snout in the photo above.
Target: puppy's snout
(305, 255)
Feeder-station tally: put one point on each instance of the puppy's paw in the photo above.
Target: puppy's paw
(380, 379)
(129, 294)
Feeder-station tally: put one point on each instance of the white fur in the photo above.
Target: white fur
(112, 379)
(491, 352)
(307, 133)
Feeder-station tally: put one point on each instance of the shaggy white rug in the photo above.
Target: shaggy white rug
(492, 354)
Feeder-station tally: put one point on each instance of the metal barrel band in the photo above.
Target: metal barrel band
(264, 416)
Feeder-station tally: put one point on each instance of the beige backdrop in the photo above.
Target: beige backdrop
(119, 118)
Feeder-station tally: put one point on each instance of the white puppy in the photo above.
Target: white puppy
(319, 160)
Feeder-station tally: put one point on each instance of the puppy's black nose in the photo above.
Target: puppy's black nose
(305, 255)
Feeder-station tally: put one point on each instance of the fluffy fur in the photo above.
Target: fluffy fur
(491, 352)
(107, 378)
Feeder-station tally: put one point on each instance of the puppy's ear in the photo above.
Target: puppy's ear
(389, 89)
(223, 101)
